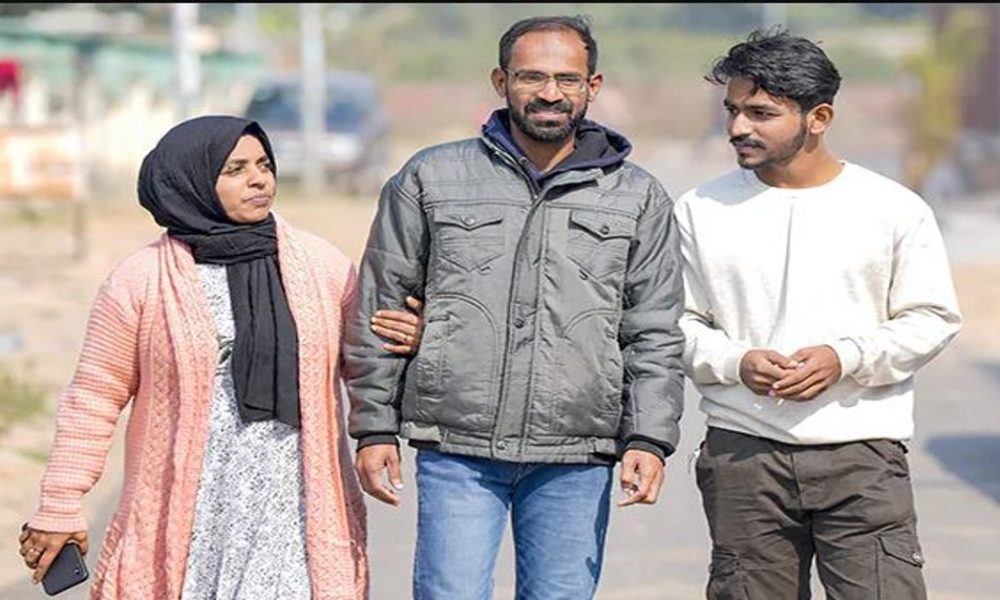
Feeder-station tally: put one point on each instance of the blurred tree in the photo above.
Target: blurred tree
(734, 18)
(448, 19)
(934, 107)
(17, 9)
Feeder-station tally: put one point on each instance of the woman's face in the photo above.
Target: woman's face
(246, 184)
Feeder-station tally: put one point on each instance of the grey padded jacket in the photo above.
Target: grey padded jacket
(550, 311)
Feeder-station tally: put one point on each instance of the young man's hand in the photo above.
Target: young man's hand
(761, 369)
(371, 462)
(641, 477)
(405, 328)
(818, 367)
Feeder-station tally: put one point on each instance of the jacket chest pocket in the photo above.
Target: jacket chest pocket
(599, 242)
(469, 237)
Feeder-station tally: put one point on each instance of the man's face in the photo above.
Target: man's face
(766, 131)
(547, 85)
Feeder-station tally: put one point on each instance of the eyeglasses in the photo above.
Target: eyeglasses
(533, 81)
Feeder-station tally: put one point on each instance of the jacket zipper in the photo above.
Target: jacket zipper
(536, 197)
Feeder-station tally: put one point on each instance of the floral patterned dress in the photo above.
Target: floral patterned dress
(248, 541)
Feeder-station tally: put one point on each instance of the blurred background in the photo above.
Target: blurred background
(349, 91)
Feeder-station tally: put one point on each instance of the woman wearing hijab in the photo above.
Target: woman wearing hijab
(224, 333)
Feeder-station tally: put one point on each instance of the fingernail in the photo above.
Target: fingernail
(397, 485)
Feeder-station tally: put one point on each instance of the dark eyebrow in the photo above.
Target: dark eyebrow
(751, 106)
(559, 74)
(759, 106)
(236, 162)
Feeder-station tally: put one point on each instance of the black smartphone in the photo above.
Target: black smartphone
(66, 571)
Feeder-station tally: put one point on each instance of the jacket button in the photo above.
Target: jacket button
(469, 220)
(605, 229)
(519, 322)
(501, 445)
(583, 275)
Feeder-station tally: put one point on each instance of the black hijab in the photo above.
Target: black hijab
(177, 186)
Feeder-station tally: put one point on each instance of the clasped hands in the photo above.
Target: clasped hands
(799, 377)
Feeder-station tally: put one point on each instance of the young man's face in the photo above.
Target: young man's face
(766, 131)
(547, 84)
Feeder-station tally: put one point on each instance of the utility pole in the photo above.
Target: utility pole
(246, 26)
(313, 76)
(185, 24)
(86, 113)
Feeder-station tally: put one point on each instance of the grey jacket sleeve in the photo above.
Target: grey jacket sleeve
(392, 268)
(651, 339)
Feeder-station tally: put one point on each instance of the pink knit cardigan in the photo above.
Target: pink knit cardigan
(151, 338)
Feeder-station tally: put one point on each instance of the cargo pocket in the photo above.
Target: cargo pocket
(900, 563)
(469, 236)
(727, 580)
(598, 242)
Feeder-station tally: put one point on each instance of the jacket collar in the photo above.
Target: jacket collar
(597, 147)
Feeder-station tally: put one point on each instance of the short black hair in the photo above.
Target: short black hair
(782, 65)
(580, 24)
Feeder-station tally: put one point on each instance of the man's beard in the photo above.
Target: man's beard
(547, 131)
(782, 154)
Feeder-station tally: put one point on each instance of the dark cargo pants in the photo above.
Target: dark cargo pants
(772, 507)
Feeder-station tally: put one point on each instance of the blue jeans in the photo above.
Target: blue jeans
(559, 515)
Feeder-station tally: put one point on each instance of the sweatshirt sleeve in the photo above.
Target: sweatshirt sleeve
(710, 356)
(106, 378)
(923, 311)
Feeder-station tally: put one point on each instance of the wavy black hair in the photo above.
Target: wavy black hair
(580, 24)
(782, 65)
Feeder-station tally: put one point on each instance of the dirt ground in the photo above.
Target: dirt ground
(45, 297)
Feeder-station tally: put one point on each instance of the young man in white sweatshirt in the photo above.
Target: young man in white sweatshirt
(815, 290)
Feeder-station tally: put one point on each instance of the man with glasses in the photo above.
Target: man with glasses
(550, 271)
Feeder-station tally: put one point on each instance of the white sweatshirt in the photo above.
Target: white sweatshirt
(857, 263)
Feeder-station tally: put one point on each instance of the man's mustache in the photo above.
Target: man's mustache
(741, 141)
(538, 106)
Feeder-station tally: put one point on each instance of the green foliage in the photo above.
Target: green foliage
(934, 117)
(638, 42)
(278, 20)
